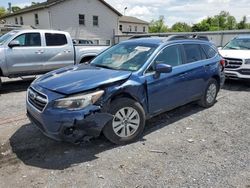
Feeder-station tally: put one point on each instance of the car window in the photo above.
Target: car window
(193, 53)
(170, 55)
(55, 39)
(29, 39)
(209, 51)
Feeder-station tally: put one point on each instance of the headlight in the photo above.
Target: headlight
(78, 102)
(247, 61)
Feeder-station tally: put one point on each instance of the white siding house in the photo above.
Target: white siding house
(132, 25)
(83, 19)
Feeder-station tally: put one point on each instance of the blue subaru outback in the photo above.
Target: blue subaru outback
(123, 87)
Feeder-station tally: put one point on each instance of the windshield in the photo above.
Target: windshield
(5, 37)
(238, 44)
(125, 56)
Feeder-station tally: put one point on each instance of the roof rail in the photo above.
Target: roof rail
(174, 37)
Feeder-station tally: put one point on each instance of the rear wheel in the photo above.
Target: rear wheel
(209, 97)
(128, 122)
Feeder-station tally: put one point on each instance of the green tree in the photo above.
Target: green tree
(181, 27)
(15, 8)
(34, 3)
(202, 26)
(243, 23)
(158, 26)
(2, 11)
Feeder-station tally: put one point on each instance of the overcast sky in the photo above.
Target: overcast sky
(189, 11)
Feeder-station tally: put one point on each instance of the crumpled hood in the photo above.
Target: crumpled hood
(239, 54)
(75, 79)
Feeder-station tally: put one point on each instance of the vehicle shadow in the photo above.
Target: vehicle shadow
(237, 85)
(15, 86)
(34, 149)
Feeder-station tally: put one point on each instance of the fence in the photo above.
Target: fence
(220, 38)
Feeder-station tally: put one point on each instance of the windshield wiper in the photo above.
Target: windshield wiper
(103, 66)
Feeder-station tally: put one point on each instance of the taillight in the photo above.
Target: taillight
(223, 64)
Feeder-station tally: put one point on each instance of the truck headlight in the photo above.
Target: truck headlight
(77, 102)
(247, 61)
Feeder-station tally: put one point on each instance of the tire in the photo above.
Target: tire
(128, 122)
(209, 97)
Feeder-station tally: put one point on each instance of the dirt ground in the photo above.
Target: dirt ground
(187, 147)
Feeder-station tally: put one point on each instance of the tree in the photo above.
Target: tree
(243, 23)
(158, 26)
(181, 27)
(34, 3)
(15, 8)
(2, 11)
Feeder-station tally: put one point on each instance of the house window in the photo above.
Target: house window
(21, 20)
(81, 19)
(135, 28)
(144, 29)
(95, 21)
(16, 20)
(36, 19)
(120, 27)
(130, 28)
(108, 42)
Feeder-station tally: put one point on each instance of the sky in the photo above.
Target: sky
(189, 11)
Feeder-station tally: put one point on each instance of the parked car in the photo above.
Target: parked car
(123, 87)
(237, 56)
(31, 52)
(83, 41)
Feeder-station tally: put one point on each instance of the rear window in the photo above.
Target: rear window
(193, 53)
(209, 51)
(55, 39)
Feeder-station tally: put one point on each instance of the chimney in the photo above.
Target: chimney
(10, 8)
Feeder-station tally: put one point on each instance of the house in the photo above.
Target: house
(132, 25)
(93, 20)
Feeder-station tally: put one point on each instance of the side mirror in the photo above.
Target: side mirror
(163, 68)
(14, 43)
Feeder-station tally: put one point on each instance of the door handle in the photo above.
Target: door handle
(67, 51)
(39, 52)
(183, 74)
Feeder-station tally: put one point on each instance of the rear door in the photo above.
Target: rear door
(169, 89)
(195, 65)
(59, 51)
(28, 57)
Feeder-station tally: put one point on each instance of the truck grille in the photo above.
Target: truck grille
(36, 99)
(233, 63)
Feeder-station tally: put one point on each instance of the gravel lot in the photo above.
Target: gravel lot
(187, 147)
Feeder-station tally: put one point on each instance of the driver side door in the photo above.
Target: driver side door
(167, 90)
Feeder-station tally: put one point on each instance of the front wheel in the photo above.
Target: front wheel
(128, 122)
(209, 97)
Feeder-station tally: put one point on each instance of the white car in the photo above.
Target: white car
(237, 56)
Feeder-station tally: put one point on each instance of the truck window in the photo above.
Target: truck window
(29, 39)
(55, 39)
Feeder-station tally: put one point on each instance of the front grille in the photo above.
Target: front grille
(244, 71)
(232, 63)
(36, 99)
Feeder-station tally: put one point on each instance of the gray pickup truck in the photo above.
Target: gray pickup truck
(33, 52)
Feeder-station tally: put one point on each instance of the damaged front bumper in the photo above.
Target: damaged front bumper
(70, 126)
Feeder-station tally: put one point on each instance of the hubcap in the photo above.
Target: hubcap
(211, 93)
(126, 122)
